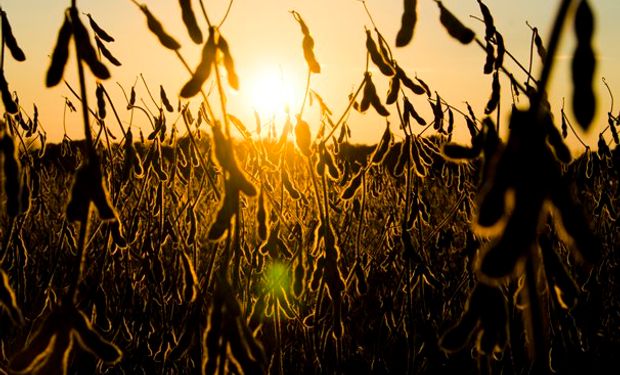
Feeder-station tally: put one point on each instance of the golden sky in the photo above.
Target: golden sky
(265, 41)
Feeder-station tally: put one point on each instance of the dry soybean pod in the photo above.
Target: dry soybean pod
(100, 101)
(540, 48)
(164, 99)
(411, 110)
(369, 88)
(229, 63)
(424, 85)
(106, 52)
(417, 89)
(87, 51)
(418, 165)
(583, 65)
(156, 27)
(501, 51)
(437, 112)
(489, 64)
(353, 186)
(377, 58)
(192, 87)
(495, 95)
(307, 44)
(288, 185)
(101, 33)
(303, 137)
(488, 21)
(383, 146)
(378, 106)
(9, 39)
(189, 19)
(392, 94)
(454, 27)
(408, 22)
(9, 104)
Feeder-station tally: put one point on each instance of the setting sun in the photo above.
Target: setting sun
(272, 94)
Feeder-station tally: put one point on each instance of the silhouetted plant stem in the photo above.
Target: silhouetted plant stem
(87, 133)
(572, 129)
(230, 4)
(346, 111)
(236, 248)
(552, 48)
(204, 13)
(315, 185)
(116, 116)
(358, 238)
(307, 91)
(92, 158)
(81, 257)
(278, 333)
(538, 343)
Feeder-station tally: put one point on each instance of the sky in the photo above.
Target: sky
(265, 42)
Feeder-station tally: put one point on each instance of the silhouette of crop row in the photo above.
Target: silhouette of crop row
(301, 252)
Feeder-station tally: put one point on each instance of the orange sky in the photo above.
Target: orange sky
(266, 40)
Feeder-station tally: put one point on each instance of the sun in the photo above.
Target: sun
(272, 95)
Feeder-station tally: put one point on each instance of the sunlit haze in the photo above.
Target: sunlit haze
(272, 94)
(265, 41)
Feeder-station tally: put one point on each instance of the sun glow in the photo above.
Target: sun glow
(272, 95)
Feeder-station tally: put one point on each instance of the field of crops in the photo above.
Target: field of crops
(187, 249)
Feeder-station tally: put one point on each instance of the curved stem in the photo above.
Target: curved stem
(574, 132)
(148, 91)
(611, 95)
(226, 14)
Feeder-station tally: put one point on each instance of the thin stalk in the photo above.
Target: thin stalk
(92, 158)
(499, 113)
(358, 238)
(531, 55)
(611, 95)
(85, 108)
(554, 43)
(346, 111)
(230, 4)
(204, 13)
(307, 92)
(81, 261)
(316, 188)
(278, 334)
(2, 51)
(575, 133)
(538, 350)
(368, 13)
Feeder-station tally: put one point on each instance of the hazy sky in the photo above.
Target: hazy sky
(265, 41)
